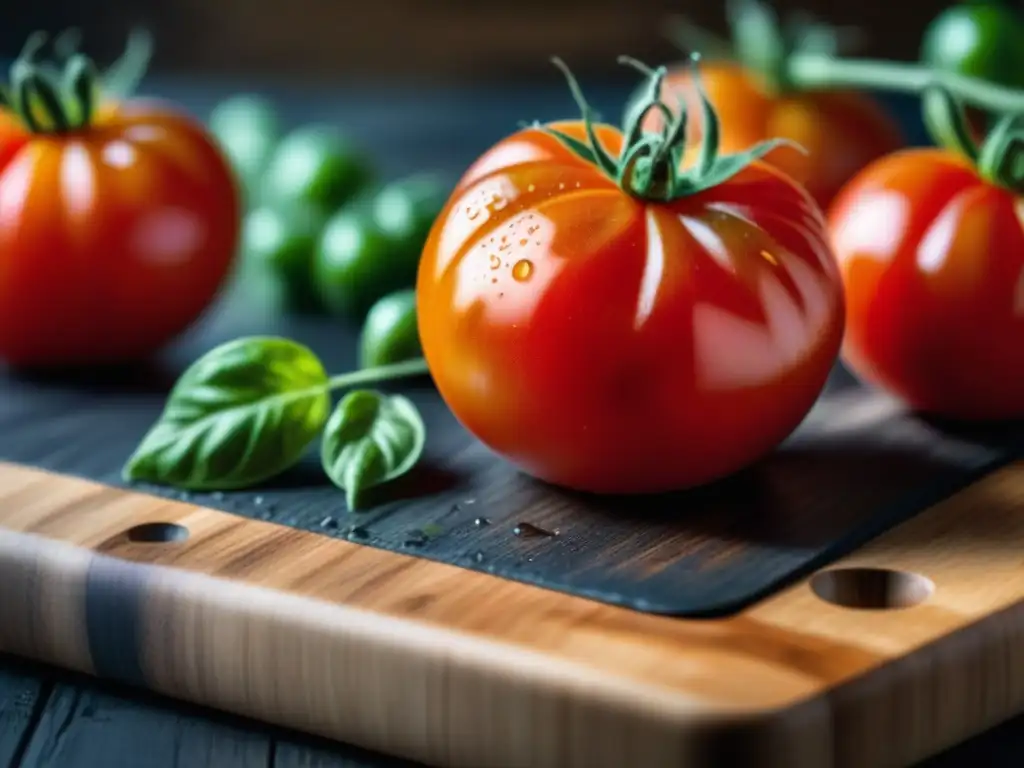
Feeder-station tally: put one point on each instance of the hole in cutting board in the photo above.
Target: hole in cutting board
(157, 533)
(875, 589)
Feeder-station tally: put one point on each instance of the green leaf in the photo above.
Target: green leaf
(727, 166)
(370, 439)
(242, 413)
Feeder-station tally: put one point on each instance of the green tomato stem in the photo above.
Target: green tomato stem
(946, 122)
(812, 71)
(59, 95)
(649, 166)
(403, 370)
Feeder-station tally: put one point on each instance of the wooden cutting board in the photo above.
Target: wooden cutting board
(854, 600)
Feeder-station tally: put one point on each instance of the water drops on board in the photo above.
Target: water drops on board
(528, 530)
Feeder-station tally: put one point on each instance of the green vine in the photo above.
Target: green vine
(60, 94)
(944, 95)
(650, 165)
(762, 42)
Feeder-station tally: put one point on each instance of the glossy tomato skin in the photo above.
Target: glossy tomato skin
(841, 132)
(932, 258)
(609, 345)
(113, 239)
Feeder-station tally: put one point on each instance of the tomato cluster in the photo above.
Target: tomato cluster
(618, 310)
(635, 311)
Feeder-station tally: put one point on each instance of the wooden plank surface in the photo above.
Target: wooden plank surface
(452, 667)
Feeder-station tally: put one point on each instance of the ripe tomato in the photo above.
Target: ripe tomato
(113, 239)
(932, 257)
(609, 344)
(841, 131)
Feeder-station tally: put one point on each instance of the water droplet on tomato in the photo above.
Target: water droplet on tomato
(561, 185)
(531, 188)
(495, 261)
(522, 270)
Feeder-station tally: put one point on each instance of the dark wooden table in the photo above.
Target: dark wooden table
(50, 718)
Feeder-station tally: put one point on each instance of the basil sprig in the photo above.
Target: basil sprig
(249, 409)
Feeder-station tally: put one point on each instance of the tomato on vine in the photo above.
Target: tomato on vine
(119, 218)
(748, 82)
(611, 322)
(931, 244)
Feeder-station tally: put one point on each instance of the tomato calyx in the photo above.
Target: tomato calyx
(61, 94)
(762, 42)
(650, 165)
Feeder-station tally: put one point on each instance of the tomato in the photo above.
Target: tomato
(115, 235)
(932, 258)
(247, 129)
(607, 342)
(390, 333)
(841, 131)
(280, 242)
(982, 39)
(354, 264)
(315, 165)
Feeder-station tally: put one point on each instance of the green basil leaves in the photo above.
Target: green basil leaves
(244, 412)
(250, 409)
(371, 438)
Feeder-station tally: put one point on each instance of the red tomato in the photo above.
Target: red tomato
(114, 237)
(933, 261)
(841, 131)
(608, 344)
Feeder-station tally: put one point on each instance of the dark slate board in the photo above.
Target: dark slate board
(854, 468)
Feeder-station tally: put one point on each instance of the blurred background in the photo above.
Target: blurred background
(422, 40)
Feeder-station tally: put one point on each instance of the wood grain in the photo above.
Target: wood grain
(450, 667)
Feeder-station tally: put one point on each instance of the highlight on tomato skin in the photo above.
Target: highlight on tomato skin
(119, 219)
(615, 342)
(932, 257)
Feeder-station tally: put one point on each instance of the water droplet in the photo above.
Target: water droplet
(522, 270)
(415, 539)
(495, 261)
(480, 522)
(329, 522)
(469, 501)
(531, 188)
(358, 532)
(479, 557)
(217, 496)
(529, 530)
(577, 185)
(769, 258)
(258, 501)
(561, 185)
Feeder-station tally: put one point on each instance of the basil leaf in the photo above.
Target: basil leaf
(370, 439)
(242, 413)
